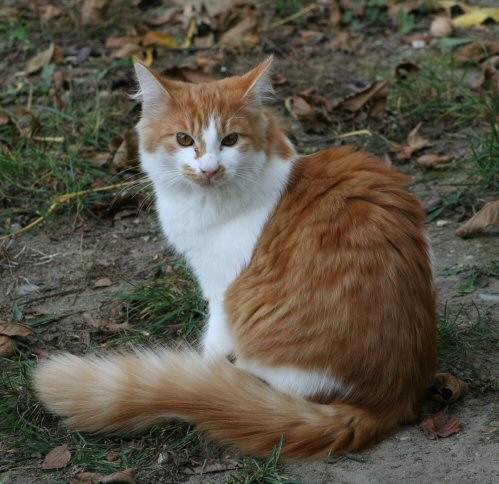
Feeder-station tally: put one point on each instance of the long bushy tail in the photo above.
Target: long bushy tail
(130, 392)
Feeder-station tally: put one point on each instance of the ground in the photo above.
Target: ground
(95, 273)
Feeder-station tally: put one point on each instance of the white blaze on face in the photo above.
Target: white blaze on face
(210, 160)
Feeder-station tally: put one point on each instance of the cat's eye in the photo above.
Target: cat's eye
(230, 139)
(183, 139)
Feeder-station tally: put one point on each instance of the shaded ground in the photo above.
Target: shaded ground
(65, 256)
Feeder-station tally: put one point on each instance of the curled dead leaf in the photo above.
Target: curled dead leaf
(37, 62)
(7, 346)
(159, 40)
(374, 96)
(433, 161)
(237, 34)
(347, 42)
(121, 477)
(104, 282)
(94, 11)
(486, 217)
(186, 74)
(477, 51)
(15, 329)
(447, 388)
(437, 425)
(57, 458)
(415, 142)
(127, 154)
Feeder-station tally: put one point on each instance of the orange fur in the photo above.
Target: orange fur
(339, 282)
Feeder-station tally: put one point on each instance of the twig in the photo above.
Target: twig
(296, 15)
(62, 199)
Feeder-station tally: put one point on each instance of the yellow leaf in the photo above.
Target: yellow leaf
(448, 4)
(36, 63)
(145, 58)
(159, 39)
(476, 17)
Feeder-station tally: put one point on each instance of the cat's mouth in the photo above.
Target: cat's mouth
(204, 179)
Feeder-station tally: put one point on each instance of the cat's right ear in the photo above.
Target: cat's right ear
(151, 92)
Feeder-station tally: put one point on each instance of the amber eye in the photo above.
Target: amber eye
(184, 139)
(230, 139)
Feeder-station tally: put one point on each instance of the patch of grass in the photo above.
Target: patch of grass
(461, 333)
(268, 471)
(29, 433)
(167, 307)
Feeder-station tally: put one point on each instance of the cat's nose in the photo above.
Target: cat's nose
(209, 173)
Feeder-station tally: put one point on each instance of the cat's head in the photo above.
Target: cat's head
(207, 134)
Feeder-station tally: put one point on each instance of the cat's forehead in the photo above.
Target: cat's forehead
(210, 107)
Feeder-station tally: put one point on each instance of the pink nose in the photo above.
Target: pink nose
(209, 173)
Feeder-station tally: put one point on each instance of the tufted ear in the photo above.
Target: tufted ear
(151, 90)
(257, 81)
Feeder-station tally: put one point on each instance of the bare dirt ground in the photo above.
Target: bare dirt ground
(52, 270)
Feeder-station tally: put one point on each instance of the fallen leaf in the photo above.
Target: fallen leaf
(159, 40)
(476, 17)
(489, 80)
(447, 388)
(374, 96)
(415, 143)
(127, 154)
(7, 346)
(433, 161)
(49, 12)
(486, 217)
(236, 34)
(94, 11)
(121, 477)
(104, 282)
(406, 7)
(312, 110)
(118, 42)
(37, 62)
(126, 51)
(211, 466)
(164, 18)
(477, 51)
(347, 42)
(15, 329)
(113, 456)
(4, 118)
(451, 5)
(438, 426)
(186, 74)
(57, 458)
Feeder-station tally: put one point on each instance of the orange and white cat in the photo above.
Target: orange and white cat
(316, 268)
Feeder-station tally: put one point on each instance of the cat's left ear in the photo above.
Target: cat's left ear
(257, 82)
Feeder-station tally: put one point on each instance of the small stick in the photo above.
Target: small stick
(296, 15)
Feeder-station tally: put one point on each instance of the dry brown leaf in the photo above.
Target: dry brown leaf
(15, 329)
(4, 118)
(347, 42)
(486, 217)
(104, 282)
(159, 40)
(415, 143)
(118, 42)
(205, 42)
(126, 51)
(113, 456)
(438, 426)
(7, 346)
(489, 80)
(165, 17)
(37, 62)
(94, 11)
(406, 7)
(312, 109)
(236, 34)
(405, 69)
(120, 477)
(57, 458)
(447, 388)
(49, 12)
(127, 154)
(477, 51)
(186, 74)
(374, 95)
(433, 161)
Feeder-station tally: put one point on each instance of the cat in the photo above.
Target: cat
(321, 327)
